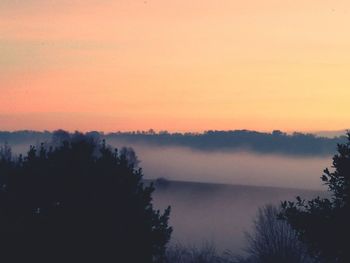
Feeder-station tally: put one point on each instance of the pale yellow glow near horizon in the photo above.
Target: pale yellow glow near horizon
(175, 65)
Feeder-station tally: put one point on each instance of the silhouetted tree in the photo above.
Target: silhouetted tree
(5, 153)
(325, 223)
(274, 240)
(78, 201)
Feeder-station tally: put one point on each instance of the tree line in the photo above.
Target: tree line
(277, 142)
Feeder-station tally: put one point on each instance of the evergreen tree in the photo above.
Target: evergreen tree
(324, 223)
(77, 200)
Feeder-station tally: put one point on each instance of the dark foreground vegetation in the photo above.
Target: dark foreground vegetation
(74, 199)
(324, 223)
(77, 200)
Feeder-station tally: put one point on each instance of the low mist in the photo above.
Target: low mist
(215, 195)
(244, 168)
(222, 211)
(227, 167)
(218, 214)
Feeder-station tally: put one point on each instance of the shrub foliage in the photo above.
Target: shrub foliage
(324, 223)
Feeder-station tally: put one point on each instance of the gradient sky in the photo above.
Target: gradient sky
(179, 65)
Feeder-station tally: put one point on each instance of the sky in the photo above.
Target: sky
(174, 65)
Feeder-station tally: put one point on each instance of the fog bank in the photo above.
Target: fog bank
(233, 167)
(246, 168)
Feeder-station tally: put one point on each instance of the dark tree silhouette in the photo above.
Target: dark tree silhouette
(78, 201)
(274, 240)
(324, 224)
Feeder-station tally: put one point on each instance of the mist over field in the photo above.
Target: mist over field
(215, 195)
(218, 214)
(235, 167)
(221, 212)
(226, 167)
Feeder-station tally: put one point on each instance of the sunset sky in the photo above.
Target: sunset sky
(178, 65)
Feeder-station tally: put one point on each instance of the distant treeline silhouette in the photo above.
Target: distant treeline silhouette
(262, 142)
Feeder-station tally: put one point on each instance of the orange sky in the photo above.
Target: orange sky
(178, 65)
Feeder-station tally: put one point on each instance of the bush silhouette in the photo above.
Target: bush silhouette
(274, 240)
(77, 200)
(324, 224)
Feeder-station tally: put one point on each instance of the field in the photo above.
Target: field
(217, 213)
